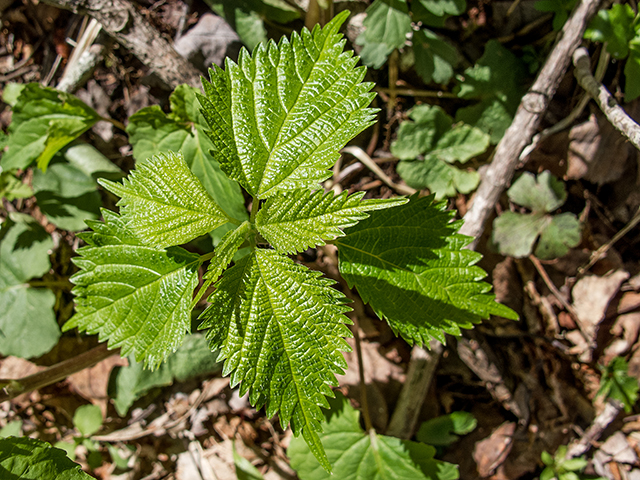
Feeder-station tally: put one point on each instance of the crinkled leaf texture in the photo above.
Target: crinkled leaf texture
(356, 455)
(44, 120)
(183, 130)
(165, 204)
(26, 458)
(411, 266)
(302, 219)
(280, 327)
(279, 119)
(136, 296)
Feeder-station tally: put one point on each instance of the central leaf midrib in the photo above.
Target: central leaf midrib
(285, 350)
(287, 116)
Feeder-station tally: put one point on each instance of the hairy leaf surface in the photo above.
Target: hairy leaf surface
(279, 119)
(303, 219)
(183, 130)
(136, 296)
(411, 266)
(164, 203)
(356, 455)
(280, 328)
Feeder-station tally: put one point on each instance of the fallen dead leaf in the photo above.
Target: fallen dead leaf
(491, 452)
(626, 327)
(591, 296)
(91, 383)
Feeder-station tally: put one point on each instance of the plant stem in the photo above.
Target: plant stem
(254, 210)
(363, 387)
(61, 284)
(115, 123)
(11, 388)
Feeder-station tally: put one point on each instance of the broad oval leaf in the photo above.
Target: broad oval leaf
(24, 254)
(280, 328)
(279, 119)
(411, 266)
(30, 459)
(165, 204)
(302, 219)
(356, 455)
(136, 296)
(44, 120)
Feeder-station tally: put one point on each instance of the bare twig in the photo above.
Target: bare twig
(422, 368)
(556, 293)
(361, 155)
(581, 445)
(600, 252)
(55, 373)
(412, 92)
(127, 26)
(84, 58)
(614, 112)
(528, 116)
(603, 63)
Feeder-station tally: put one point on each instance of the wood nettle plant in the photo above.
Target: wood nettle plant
(278, 120)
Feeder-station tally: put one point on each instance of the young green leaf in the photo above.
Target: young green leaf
(614, 27)
(496, 80)
(12, 188)
(165, 204)
(279, 119)
(67, 196)
(192, 359)
(302, 219)
(44, 120)
(560, 8)
(30, 459)
(136, 296)
(435, 12)
(280, 328)
(87, 419)
(411, 266)
(24, 254)
(244, 468)
(444, 430)
(356, 455)
(515, 234)
(616, 383)
(431, 134)
(387, 25)
(435, 58)
(419, 134)
(183, 130)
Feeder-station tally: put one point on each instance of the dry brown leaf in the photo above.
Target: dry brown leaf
(91, 383)
(597, 152)
(627, 326)
(491, 452)
(591, 297)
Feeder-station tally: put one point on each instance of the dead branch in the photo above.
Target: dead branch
(12, 388)
(526, 121)
(121, 20)
(614, 112)
(581, 445)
